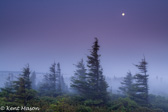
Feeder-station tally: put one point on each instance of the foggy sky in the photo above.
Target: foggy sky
(41, 32)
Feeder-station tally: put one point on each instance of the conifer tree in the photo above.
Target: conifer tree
(9, 82)
(8, 90)
(59, 81)
(141, 84)
(20, 91)
(53, 78)
(49, 85)
(53, 83)
(26, 76)
(33, 80)
(44, 87)
(97, 84)
(79, 80)
(22, 88)
(127, 85)
(64, 87)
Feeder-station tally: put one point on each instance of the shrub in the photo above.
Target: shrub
(83, 108)
(124, 105)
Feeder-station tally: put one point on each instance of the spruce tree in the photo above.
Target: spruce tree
(79, 81)
(49, 85)
(20, 91)
(59, 81)
(141, 84)
(96, 80)
(8, 90)
(127, 85)
(26, 76)
(33, 80)
(22, 88)
(53, 83)
(64, 87)
(44, 87)
(53, 78)
(9, 82)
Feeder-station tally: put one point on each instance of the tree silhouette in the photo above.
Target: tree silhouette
(141, 84)
(96, 81)
(79, 80)
(127, 85)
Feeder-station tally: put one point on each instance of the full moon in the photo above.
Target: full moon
(123, 14)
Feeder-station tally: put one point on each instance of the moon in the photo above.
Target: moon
(123, 14)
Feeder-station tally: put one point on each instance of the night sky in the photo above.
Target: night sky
(40, 32)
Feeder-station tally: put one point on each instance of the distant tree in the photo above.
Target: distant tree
(53, 83)
(26, 76)
(141, 84)
(61, 86)
(9, 82)
(22, 87)
(53, 78)
(48, 87)
(8, 90)
(33, 80)
(127, 85)
(44, 86)
(79, 80)
(96, 81)
(64, 87)
(59, 80)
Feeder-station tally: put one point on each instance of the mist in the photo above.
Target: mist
(157, 84)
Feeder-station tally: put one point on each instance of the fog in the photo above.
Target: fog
(157, 84)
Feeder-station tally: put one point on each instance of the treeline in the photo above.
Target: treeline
(87, 93)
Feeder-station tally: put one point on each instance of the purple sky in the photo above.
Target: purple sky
(40, 32)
